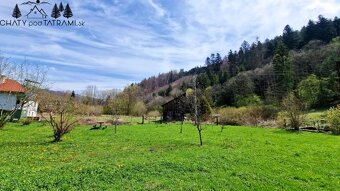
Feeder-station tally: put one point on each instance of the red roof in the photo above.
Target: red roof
(11, 86)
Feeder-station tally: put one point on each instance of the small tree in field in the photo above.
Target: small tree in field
(293, 108)
(140, 110)
(200, 108)
(62, 119)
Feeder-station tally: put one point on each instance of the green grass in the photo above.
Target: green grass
(157, 157)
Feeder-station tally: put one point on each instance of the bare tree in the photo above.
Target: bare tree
(200, 108)
(90, 95)
(62, 118)
(196, 112)
(294, 110)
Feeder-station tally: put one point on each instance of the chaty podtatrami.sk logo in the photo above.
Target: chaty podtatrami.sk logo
(42, 13)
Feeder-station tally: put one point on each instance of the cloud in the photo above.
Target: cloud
(124, 41)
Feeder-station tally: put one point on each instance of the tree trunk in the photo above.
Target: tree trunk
(115, 127)
(143, 118)
(57, 136)
(198, 126)
(200, 135)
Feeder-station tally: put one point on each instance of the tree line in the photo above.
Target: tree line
(265, 71)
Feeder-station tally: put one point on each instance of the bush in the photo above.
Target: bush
(282, 120)
(154, 114)
(252, 100)
(309, 90)
(232, 116)
(107, 110)
(253, 115)
(293, 108)
(269, 112)
(333, 118)
(26, 122)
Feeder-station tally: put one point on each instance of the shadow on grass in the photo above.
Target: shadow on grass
(287, 131)
(25, 144)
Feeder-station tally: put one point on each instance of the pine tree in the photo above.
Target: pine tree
(283, 70)
(73, 94)
(16, 12)
(68, 12)
(61, 7)
(55, 12)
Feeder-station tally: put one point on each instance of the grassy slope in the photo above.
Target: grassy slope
(152, 157)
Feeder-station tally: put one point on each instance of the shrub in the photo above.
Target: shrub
(107, 110)
(309, 90)
(154, 114)
(252, 100)
(252, 115)
(26, 122)
(282, 120)
(232, 116)
(293, 109)
(269, 112)
(333, 118)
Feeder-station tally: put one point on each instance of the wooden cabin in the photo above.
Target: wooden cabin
(175, 109)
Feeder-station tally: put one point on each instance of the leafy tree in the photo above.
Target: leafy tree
(203, 81)
(168, 90)
(68, 12)
(124, 101)
(283, 70)
(140, 110)
(240, 86)
(252, 100)
(309, 90)
(55, 12)
(16, 12)
(293, 108)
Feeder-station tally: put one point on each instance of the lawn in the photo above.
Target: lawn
(158, 157)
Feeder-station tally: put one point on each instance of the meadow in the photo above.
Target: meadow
(158, 157)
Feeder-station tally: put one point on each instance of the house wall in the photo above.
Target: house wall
(7, 101)
(30, 109)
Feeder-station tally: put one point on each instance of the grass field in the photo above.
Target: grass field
(158, 157)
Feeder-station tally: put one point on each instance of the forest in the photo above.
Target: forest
(304, 61)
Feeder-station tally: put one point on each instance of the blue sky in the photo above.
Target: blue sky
(124, 41)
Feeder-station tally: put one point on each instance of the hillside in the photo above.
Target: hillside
(265, 70)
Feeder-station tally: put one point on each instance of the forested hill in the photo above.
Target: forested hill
(265, 71)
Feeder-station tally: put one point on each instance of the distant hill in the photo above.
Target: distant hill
(267, 70)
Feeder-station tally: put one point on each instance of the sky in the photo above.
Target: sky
(125, 41)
